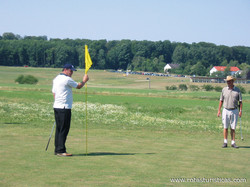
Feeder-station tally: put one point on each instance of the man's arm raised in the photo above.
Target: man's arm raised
(84, 80)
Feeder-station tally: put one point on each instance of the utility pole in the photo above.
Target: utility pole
(148, 79)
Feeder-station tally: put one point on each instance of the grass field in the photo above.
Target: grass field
(136, 136)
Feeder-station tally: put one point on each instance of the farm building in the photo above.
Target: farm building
(171, 66)
(216, 80)
(233, 70)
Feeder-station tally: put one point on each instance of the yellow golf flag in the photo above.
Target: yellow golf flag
(88, 64)
(88, 61)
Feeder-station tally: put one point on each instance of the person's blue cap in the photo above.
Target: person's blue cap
(69, 66)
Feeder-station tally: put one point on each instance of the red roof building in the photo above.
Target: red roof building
(222, 68)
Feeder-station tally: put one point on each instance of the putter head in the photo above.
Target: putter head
(242, 138)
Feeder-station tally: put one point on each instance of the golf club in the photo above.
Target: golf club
(241, 131)
(50, 136)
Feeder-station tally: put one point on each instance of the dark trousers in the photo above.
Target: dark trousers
(63, 118)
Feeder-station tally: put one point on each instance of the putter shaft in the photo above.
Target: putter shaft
(50, 136)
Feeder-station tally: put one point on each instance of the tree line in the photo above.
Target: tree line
(151, 56)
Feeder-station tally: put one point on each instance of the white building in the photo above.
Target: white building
(171, 66)
(233, 70)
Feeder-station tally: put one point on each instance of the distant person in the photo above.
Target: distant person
(232, 102)
(63, 99)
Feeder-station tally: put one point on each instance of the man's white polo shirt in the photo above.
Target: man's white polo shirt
(62, 88)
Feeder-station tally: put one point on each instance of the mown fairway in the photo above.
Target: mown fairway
(136, 136)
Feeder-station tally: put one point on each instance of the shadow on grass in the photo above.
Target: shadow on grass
(13, 123)
(109, 154)
(246, 147)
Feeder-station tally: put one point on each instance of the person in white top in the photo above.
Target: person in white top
(63, 99)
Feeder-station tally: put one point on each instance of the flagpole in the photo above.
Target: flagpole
(88, 63)
(86, 131)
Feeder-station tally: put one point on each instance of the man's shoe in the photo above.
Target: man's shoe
(224, 145)
(64, 154)
(234, 146)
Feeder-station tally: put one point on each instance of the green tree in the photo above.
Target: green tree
(179, 54)
(224, 63)
(137, 62)
(187, 70)
(233, 63)
(227, 71)
(9, 36)
(101, 59)
(198, 69)
(123, 52)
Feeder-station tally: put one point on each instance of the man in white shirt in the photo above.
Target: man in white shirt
(63, 99)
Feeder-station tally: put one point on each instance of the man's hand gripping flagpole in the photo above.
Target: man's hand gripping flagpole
(88, 63)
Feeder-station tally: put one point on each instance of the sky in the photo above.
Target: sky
(222, 22)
